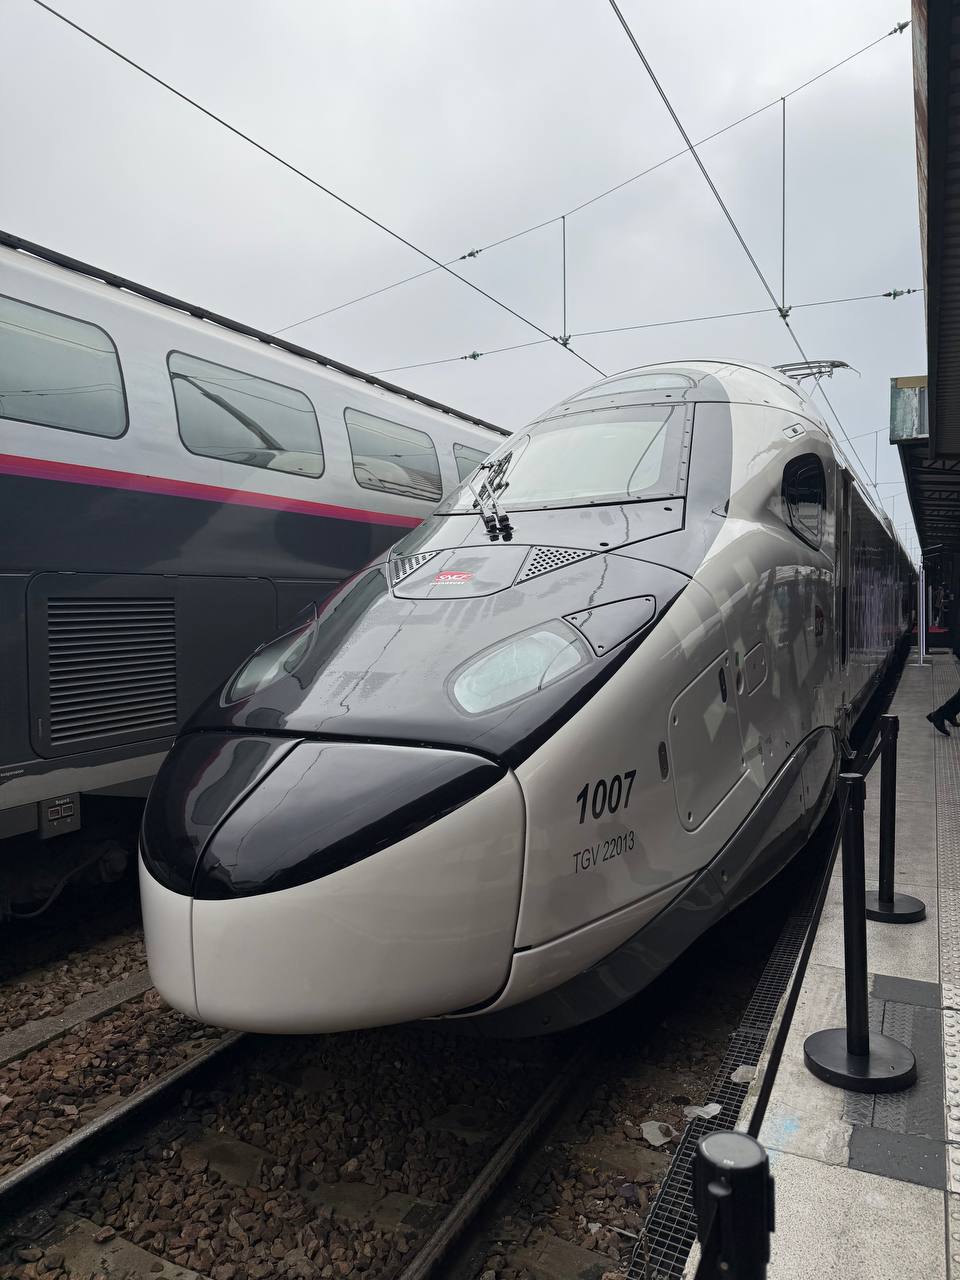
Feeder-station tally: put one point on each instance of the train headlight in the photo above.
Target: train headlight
(278, 658)
(517, 667)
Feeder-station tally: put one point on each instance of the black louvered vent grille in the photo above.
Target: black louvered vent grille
(112, 666)
(546, 559)
(403, 566)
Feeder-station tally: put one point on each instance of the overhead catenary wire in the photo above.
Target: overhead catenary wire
(600, 195)
(314, 182)
(783, 310)
(696, 156)
(783, 203)
(652, 324)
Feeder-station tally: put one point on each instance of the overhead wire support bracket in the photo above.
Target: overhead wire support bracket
(691, 148)
(301, 173)
(800, 369)
(546, 222)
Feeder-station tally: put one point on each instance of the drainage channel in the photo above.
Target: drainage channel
(670, 1229)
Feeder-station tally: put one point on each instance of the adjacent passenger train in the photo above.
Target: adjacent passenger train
(174, 488)
(520, 761)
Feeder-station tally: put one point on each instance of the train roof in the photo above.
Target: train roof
(235, 326)
(731, 381)
(711, 380)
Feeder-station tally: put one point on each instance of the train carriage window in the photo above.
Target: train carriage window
(467, 460)
(223, 413)
(393, 458)
(804, 495)
(59, 372)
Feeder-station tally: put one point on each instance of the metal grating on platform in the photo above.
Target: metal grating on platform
(670, 1229)
(920, 1110)
(858, 1107)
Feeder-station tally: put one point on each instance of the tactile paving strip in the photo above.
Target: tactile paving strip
(951, 1072)
(947, 770)
(947, 759)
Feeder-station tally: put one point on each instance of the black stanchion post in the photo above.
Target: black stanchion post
(733, 1198)
(855, 919)
(854, 1057)
(886, 904)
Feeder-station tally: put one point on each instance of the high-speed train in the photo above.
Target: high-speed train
(520, 761)
(174, 488)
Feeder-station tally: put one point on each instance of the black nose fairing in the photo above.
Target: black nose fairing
(387, 650)
(232, 815)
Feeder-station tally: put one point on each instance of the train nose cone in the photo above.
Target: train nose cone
(202, 779)
(347, 884)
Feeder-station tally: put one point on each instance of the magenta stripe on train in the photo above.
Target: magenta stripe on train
(74, 473)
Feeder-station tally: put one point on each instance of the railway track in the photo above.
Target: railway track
(376, 1153)
(402, 1153)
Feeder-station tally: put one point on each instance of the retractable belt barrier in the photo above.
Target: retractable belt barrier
(854, 1057)
(733, 1198)
(733, 1189)
(884, 903)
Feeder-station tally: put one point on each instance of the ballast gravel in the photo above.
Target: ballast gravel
(345, 1126)
(593, 1187)
(48, 1093)
(53, 987)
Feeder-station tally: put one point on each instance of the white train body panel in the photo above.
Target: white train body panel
(429, 927)
(636, 702)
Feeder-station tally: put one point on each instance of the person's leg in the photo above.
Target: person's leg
(947, 712)
(951, 707)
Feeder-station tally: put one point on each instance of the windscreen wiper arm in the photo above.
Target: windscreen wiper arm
(496, 521)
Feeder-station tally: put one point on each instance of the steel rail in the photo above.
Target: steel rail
(439, 1246)
(57, 1161)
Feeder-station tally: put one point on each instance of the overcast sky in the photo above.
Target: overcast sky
(459, 123)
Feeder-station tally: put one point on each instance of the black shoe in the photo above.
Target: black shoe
(952, 720)
(938, 724)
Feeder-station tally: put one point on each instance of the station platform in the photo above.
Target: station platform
(868, 1187)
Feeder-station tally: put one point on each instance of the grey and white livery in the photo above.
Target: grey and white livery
(174, 488)
(520, 761)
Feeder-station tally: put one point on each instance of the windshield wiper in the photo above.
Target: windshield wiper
(496, 521)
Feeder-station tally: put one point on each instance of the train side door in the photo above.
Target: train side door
(842, 583)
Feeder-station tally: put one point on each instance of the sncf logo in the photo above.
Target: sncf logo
(450, 578)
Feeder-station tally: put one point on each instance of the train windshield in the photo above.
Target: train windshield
(614, 455)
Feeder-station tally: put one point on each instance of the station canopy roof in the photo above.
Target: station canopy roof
(925, 418)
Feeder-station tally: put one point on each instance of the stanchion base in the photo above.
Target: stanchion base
(902, 910)
(889, 1067)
